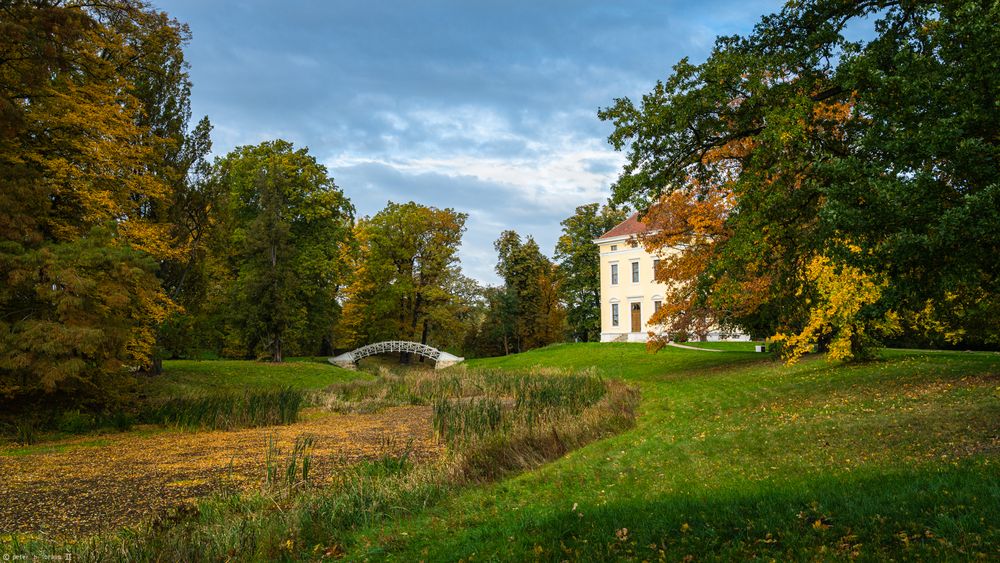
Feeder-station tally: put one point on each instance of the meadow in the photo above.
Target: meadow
(730, 455)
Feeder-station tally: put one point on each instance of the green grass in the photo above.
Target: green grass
(733, 457)
(725, 346)
(736, 457)
(181, 377)
(227, 394)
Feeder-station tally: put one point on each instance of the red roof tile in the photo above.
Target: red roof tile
(628, 227)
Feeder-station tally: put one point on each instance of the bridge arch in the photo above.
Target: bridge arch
(349, 360)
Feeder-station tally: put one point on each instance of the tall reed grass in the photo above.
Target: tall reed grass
(226, 411)
(494, 423)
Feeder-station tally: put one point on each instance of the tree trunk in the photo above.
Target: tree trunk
(423, 339)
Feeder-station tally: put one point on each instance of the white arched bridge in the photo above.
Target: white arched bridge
(349, 360)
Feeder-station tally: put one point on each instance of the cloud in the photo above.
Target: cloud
(492, 206)
(488, 107)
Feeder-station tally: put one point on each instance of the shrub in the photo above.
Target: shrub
(75, 422)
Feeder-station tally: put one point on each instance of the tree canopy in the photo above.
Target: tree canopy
(406, 281)
(287, 224)
(79, 162)
(580, 267)
(871, 163)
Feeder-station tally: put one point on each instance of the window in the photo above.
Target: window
(614, 274)
(656, 306)
(614, 247)
(656, 267)
(635, 272)
(614, 314)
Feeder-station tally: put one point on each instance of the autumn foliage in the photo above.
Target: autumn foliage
(79, 299)
(831, 194)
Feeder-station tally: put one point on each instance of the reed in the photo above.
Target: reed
(228, 410)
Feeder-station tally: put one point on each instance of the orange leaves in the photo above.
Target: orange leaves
(735, 149)
(830, 116)
(691, 225)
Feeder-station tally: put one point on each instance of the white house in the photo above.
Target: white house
(629, 292)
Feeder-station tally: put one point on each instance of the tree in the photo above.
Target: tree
(529, 310)
(823, 146)
(159, 81)
(286, 222)
(689, 231)
(405, 273)
(580, 267)
(79, 300)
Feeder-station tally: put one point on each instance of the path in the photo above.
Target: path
(686, 347)
(126, 477)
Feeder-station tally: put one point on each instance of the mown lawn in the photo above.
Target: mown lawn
(184, 377)
(725, 346)
(735, 456)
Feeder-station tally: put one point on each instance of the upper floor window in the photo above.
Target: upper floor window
(614, 274)
(635, 272)
(656, 267)
(614, 247)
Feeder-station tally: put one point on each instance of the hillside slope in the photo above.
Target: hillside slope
(735, 456)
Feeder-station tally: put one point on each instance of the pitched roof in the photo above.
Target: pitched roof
(628, 227)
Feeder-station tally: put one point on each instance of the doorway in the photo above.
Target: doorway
(636, 317)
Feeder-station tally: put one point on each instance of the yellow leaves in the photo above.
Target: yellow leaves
(735, 149)
(841, 292)
(152, 238)
(76, 489)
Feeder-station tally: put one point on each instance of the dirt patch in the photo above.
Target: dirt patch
(88, 489)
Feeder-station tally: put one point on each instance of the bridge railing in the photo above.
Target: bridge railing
(441, 359)
(396, 346)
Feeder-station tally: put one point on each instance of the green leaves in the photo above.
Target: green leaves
(281, 242)
(881, 143)
(579, 267)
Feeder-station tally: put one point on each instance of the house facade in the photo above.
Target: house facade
(630, 293)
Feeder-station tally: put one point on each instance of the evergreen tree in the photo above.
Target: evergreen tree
(79, 298)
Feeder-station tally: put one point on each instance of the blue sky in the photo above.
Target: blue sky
(486, 107)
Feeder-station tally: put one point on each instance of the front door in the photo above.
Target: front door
(636, 317)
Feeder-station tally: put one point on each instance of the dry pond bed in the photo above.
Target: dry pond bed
(82, 486)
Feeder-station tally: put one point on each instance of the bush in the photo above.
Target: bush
(75, 422)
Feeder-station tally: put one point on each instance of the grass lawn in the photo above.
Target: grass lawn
(725, 346)
(735, 456)
(182, 377)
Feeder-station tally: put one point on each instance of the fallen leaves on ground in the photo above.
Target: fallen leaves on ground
(83, 490)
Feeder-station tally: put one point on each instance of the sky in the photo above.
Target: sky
(489, 108)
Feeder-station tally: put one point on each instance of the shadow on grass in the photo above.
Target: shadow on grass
(923, 513)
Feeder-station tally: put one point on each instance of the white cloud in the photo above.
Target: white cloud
(545, 164)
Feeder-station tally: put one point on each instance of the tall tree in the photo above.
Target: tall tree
(580, 267)
(79, 301)
(406, 268)
(287, 222)
(871, 160)
(159, 81)
(530, 307)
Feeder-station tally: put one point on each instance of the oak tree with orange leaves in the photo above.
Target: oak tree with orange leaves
(795, 167)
